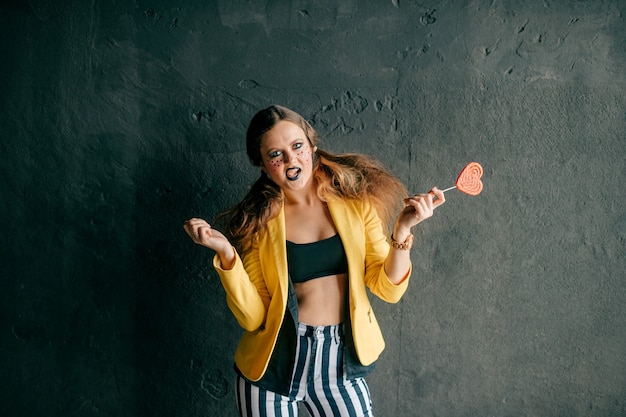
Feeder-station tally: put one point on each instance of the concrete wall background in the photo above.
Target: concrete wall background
(119, 120)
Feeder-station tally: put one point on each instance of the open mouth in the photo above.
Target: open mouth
(293, 174)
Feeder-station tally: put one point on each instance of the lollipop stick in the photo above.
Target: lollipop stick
(448, 189)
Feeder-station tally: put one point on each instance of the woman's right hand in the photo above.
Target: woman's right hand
(203, 234)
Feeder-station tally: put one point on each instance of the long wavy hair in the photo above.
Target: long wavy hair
(347, 176)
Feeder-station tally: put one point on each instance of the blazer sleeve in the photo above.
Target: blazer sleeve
(376, 251)
(246, 292)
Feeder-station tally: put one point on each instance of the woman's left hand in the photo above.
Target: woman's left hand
(420, 207)
(417, 209)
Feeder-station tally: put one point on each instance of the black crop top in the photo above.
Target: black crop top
(317, 259)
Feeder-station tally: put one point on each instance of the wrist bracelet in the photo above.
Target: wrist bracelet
(406, 245)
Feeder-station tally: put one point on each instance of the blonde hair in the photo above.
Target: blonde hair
(347, 176)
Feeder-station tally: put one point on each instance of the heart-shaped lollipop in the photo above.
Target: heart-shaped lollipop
(468, 180)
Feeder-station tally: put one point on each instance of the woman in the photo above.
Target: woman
(295, 259)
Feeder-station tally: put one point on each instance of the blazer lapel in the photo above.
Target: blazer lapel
(276, 250)
(350, 230)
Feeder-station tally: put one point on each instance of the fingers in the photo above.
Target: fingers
(420, 200)
(440, 198)
(197, 229)
(424, 204)
(434, 198)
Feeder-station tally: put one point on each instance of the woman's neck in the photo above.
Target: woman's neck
(305, 197)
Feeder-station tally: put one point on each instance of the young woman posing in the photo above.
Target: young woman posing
(295, 258)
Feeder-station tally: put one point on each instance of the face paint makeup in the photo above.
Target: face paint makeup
(286, 155)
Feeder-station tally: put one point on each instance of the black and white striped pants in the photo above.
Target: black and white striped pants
(318, 382)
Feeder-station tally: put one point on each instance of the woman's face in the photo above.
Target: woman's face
(286, 156)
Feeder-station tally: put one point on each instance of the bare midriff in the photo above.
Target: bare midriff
(322, 301)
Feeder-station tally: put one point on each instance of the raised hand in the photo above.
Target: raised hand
(201, 233)
(420, 207)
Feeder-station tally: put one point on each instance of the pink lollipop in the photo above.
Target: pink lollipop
(468, 180)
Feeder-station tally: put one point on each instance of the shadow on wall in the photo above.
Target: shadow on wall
(185, 336)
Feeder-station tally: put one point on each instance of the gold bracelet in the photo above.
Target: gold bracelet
(406, 245)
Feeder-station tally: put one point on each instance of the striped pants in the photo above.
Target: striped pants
(318, 382)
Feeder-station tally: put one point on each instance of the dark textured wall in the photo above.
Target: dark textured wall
(121, 119)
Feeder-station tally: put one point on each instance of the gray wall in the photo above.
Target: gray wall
(120, 119)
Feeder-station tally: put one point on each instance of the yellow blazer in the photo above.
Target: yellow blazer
(257, 285)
